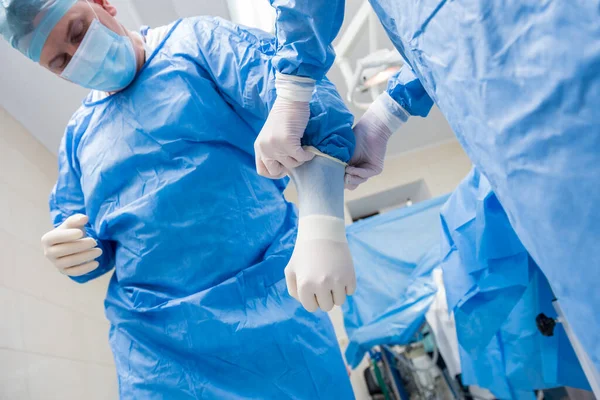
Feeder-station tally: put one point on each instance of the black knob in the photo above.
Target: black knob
(545, 324)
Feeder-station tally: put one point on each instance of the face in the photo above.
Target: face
(64, 40)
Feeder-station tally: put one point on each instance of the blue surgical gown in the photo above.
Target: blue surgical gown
(518, 82)
(406, 89)
(165, 170)
(305, 30)
(496, 291)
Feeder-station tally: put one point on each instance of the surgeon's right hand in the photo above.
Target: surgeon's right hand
(68, 248)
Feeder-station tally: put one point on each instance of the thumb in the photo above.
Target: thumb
(274, 168)
(76, 221)
(301, 155)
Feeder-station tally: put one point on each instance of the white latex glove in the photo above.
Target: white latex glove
(278, 146)
(372, 133)
(69, 250)
(321, 272)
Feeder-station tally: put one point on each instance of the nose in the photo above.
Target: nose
(72, 49)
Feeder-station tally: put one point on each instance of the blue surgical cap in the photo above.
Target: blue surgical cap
(26, 24)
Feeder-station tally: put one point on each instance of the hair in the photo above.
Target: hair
(20, 16)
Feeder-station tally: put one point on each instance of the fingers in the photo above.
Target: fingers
(275, 168)
(353, 181)
(67, 248)
(302, 156)
(290, 163)
(63, 235)
(260, 166)
(339, 295)
(78, 259)
(290, 280)
(364, 173)
(273, 159)
(357, 176)
(74, 221)
(324, 298)
(82, 269)
(351, 287)
(308, 299)
(70, 248)
(269, 168)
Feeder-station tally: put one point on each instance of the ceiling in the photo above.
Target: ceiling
(44, 104)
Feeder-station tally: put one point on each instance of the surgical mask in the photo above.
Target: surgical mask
(104, 60)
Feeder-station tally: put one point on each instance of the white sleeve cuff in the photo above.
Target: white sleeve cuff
(294, 88)
(389, 112)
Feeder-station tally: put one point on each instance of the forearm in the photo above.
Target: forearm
(320, 187)
(305, 30)
(320, 272)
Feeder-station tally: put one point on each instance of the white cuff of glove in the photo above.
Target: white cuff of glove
(321, 227)
(391, 114)
(318, 153)
(294, 88)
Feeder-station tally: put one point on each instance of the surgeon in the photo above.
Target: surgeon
(518, 82)
(157, 180)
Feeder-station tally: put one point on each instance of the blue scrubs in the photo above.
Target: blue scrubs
(518, 82)
(165, 170)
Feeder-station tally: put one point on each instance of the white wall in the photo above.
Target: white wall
(53, 334)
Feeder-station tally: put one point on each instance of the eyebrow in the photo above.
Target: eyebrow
(67, 38)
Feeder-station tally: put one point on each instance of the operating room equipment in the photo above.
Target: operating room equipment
(371, 70)
(590, 370)
(410, 372)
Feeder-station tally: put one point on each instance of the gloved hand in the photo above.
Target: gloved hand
(69, 250)
(321, 272)
(278, 146)
(372, 133)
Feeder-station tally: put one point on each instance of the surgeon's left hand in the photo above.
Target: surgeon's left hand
(320, 273)
(278, 146)
(372, 136)
(372, 133)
